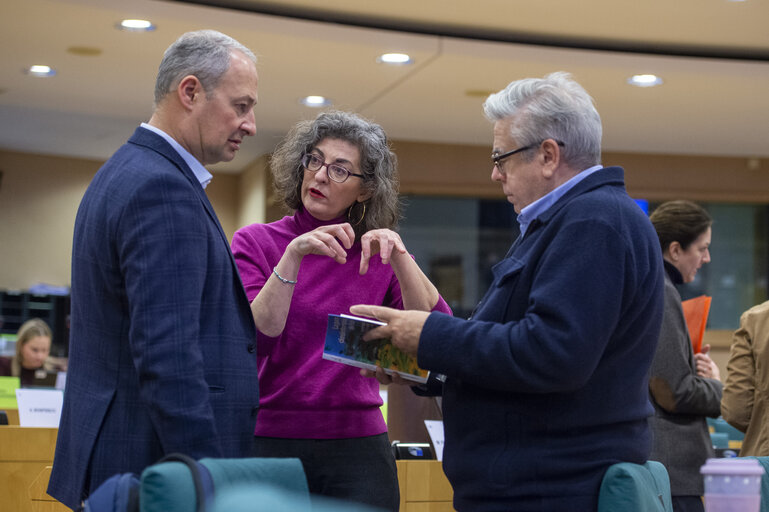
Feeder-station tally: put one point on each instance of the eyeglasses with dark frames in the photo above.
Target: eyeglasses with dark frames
(497, 158)
(336, 172)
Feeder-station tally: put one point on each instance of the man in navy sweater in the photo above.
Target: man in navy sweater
(546, 384)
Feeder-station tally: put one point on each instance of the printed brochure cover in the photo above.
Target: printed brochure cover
(344, 345)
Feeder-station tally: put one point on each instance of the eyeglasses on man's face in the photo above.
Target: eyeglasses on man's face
(498, 157)
(336, 172)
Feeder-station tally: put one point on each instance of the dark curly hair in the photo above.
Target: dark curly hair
(378, 166)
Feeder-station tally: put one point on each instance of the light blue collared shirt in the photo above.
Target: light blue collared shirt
(200, 172)
(541, 205)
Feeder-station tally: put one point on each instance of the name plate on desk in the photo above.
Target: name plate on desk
(39, 407)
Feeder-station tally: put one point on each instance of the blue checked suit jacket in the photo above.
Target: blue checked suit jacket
(162, 342)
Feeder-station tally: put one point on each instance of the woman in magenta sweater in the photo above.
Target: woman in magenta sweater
(339, 248)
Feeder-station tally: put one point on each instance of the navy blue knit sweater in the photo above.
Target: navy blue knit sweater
(547, 383)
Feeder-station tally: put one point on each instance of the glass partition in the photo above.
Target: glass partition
(456, 241)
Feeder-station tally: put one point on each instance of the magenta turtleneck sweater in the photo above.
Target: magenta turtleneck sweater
(302, 395)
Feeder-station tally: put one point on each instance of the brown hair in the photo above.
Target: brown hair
(679, 221)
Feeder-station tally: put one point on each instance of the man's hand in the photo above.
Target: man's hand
(386, 379)
(403, 327)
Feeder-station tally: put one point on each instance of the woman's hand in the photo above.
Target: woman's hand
(706, 367)
(328, 241)
(382, 242)
(270, 307)
(416, 289)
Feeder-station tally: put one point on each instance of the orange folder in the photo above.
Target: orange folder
(696, 315)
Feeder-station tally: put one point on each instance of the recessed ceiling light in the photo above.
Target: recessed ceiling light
(644, 80)
(40, 70)
(394, 58)
(315, 101)
(136, 25)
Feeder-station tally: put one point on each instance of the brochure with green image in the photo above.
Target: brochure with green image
(344, 344)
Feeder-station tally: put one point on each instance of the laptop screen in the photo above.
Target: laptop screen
(43, 379)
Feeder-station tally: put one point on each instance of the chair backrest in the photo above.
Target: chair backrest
(635, 488)
(272, 498)
(170, 487)
(720, 425)
(719, 440)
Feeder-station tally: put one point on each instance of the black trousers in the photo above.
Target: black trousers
(688, 504)
(360, 469)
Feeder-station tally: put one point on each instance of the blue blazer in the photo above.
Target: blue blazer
(162, 342)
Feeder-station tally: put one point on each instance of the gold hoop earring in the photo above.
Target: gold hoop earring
(349, 213)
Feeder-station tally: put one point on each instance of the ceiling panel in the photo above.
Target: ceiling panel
(706, 106)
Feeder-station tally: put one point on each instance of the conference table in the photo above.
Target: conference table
(26, 456)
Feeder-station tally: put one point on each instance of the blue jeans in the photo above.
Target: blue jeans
(356, 469)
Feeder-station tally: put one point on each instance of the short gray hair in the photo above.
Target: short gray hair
(553, 107)
(377, 161)
(204, 54)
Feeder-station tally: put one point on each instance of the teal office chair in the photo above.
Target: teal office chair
(172, 487)
(720, 425)
(270, 498)
(720, 440)
(635, 488)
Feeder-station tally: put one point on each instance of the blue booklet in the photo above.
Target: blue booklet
(344, 344)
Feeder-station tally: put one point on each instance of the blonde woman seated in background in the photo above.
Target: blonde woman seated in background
(744, 404)
(33, 344)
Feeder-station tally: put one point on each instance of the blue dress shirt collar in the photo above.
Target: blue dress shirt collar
(201, 173)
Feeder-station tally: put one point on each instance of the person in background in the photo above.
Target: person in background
(338, 248)
(33, 345)
(162, 340)
(684, 387)
(745, 403)
(545, 385)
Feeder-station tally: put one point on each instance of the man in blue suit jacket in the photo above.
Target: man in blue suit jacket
(162, 346)
(546, 386)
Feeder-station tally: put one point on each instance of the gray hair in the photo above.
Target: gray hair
(378, 166)
(204, 54)
(553, 107)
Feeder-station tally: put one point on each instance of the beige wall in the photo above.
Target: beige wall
(39, 196)
(38, 201)
(253, 192)
(438, 169)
